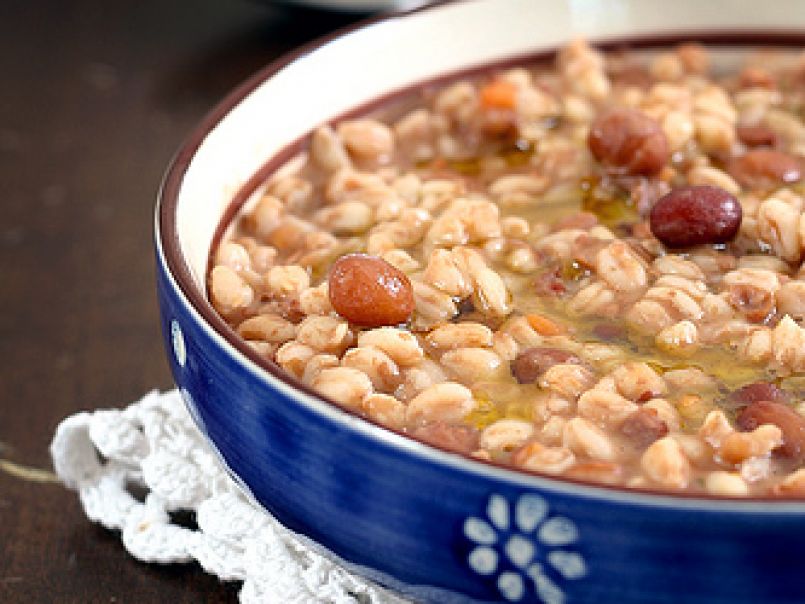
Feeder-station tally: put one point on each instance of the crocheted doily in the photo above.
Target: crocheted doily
(135, 468)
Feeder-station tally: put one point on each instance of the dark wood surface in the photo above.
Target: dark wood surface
(96, 97)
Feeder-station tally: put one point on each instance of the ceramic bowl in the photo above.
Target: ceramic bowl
(429, 523)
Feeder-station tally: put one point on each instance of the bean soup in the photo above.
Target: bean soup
(589, 268)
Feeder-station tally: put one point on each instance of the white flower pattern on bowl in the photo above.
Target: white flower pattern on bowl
(530, 542)
(177, 341)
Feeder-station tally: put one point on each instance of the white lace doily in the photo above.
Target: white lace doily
(111, 456)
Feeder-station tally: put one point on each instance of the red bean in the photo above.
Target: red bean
(694, 215)
(530, 364)
(765, 169)
(633, 76)
(628, 141)
(784, 417)
(759, 391)
(609, 332)
(756, 135)
(644, 426)
(368, 291)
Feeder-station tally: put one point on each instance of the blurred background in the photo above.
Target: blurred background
(97, 96)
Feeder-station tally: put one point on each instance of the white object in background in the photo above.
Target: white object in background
(154, 445)
(360, 5)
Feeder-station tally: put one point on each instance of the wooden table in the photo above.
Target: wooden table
(96, 97)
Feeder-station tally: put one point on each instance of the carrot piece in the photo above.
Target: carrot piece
(498, 94)
(439, 163)
(544, 326)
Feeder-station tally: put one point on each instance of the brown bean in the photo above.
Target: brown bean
(694, 215)
(461, 439)
(644, 426)
(633, 76)
(784, 417)
(530, 364)
(368, 291)
(759, 391)
(609, 332)
(628, 141)
(605, 472)
(765, 169)
(756, 135)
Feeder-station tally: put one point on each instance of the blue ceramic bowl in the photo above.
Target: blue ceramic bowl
(432, 524)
